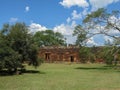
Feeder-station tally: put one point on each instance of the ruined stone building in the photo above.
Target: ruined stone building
(60, 54)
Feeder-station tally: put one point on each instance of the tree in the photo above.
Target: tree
(48, 38)
(81, 35)
(101, 22)
(85, 52)
(9, 59)
(86, 55)
(106, 23)
(16, 47)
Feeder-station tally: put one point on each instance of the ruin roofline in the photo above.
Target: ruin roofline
(60, 47)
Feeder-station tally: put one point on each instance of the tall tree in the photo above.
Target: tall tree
(102, 22)
(49, 38)
(9, 59)
(81, 34)
(18, 47)
(106, 22)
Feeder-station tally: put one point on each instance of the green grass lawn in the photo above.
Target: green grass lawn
(64, 77)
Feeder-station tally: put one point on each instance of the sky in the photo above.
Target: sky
(57, 15)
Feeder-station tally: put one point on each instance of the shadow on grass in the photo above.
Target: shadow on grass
(20, 72)
(33, 72)
(95, 68)
(5, 73)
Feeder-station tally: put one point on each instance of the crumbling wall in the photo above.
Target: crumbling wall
(61, 54)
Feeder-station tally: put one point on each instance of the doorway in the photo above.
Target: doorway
(72, 58)
(47, 56)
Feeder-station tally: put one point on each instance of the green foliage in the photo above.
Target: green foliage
(81, 35)
(103, 21)
(48, 38)
(8, 57)
(16, 47)
(33, 55)
(102, 17)
(107, 55)
(96, 14)
(86, 55)
(117, 42)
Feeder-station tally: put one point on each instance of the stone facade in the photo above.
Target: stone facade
(60, 54)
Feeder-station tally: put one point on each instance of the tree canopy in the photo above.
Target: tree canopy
(16, 47)
(49, 38)
(104, 22)
(81, 35)
(101, 22)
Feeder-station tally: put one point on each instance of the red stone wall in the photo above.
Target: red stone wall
(66, 54)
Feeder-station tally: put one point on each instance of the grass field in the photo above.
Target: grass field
(64, 77)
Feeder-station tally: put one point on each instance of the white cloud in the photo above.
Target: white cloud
(34, 27)
(76, 15)
(114, 20)
(88, 6)
(70, 3)
(64, 29)
(70, 39)
(13, 20)
(91, 42)
(114, 32)
(85, 12)
(68, 20)
(101, 3)
(73, 24)
(107, 38)
(27, 8)
(67, 31)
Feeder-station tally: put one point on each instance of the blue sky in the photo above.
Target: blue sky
(58, 15)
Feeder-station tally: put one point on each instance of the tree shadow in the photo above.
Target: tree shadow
(33, 72)
(5, 73)
(95, 68)
(20, 72)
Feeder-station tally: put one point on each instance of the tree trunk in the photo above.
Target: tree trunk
(115, 60)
